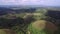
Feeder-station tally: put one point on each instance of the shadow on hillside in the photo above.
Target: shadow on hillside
(54, 18)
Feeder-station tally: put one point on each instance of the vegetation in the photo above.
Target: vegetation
(29, 22)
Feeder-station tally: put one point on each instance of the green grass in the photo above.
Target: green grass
(33, 30)
(37, 28)
(36, 31)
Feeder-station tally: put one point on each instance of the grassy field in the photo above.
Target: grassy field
(36, 28)
(7, 31)
(2, 31)
(39, 27)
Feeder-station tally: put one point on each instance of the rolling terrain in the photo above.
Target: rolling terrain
(30, 20)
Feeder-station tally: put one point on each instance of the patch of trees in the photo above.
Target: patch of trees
(54, 16)
(8, 23)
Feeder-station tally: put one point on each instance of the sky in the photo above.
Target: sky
(31, 2)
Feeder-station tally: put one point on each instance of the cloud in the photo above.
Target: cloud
(30, 2)
(19, 2)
